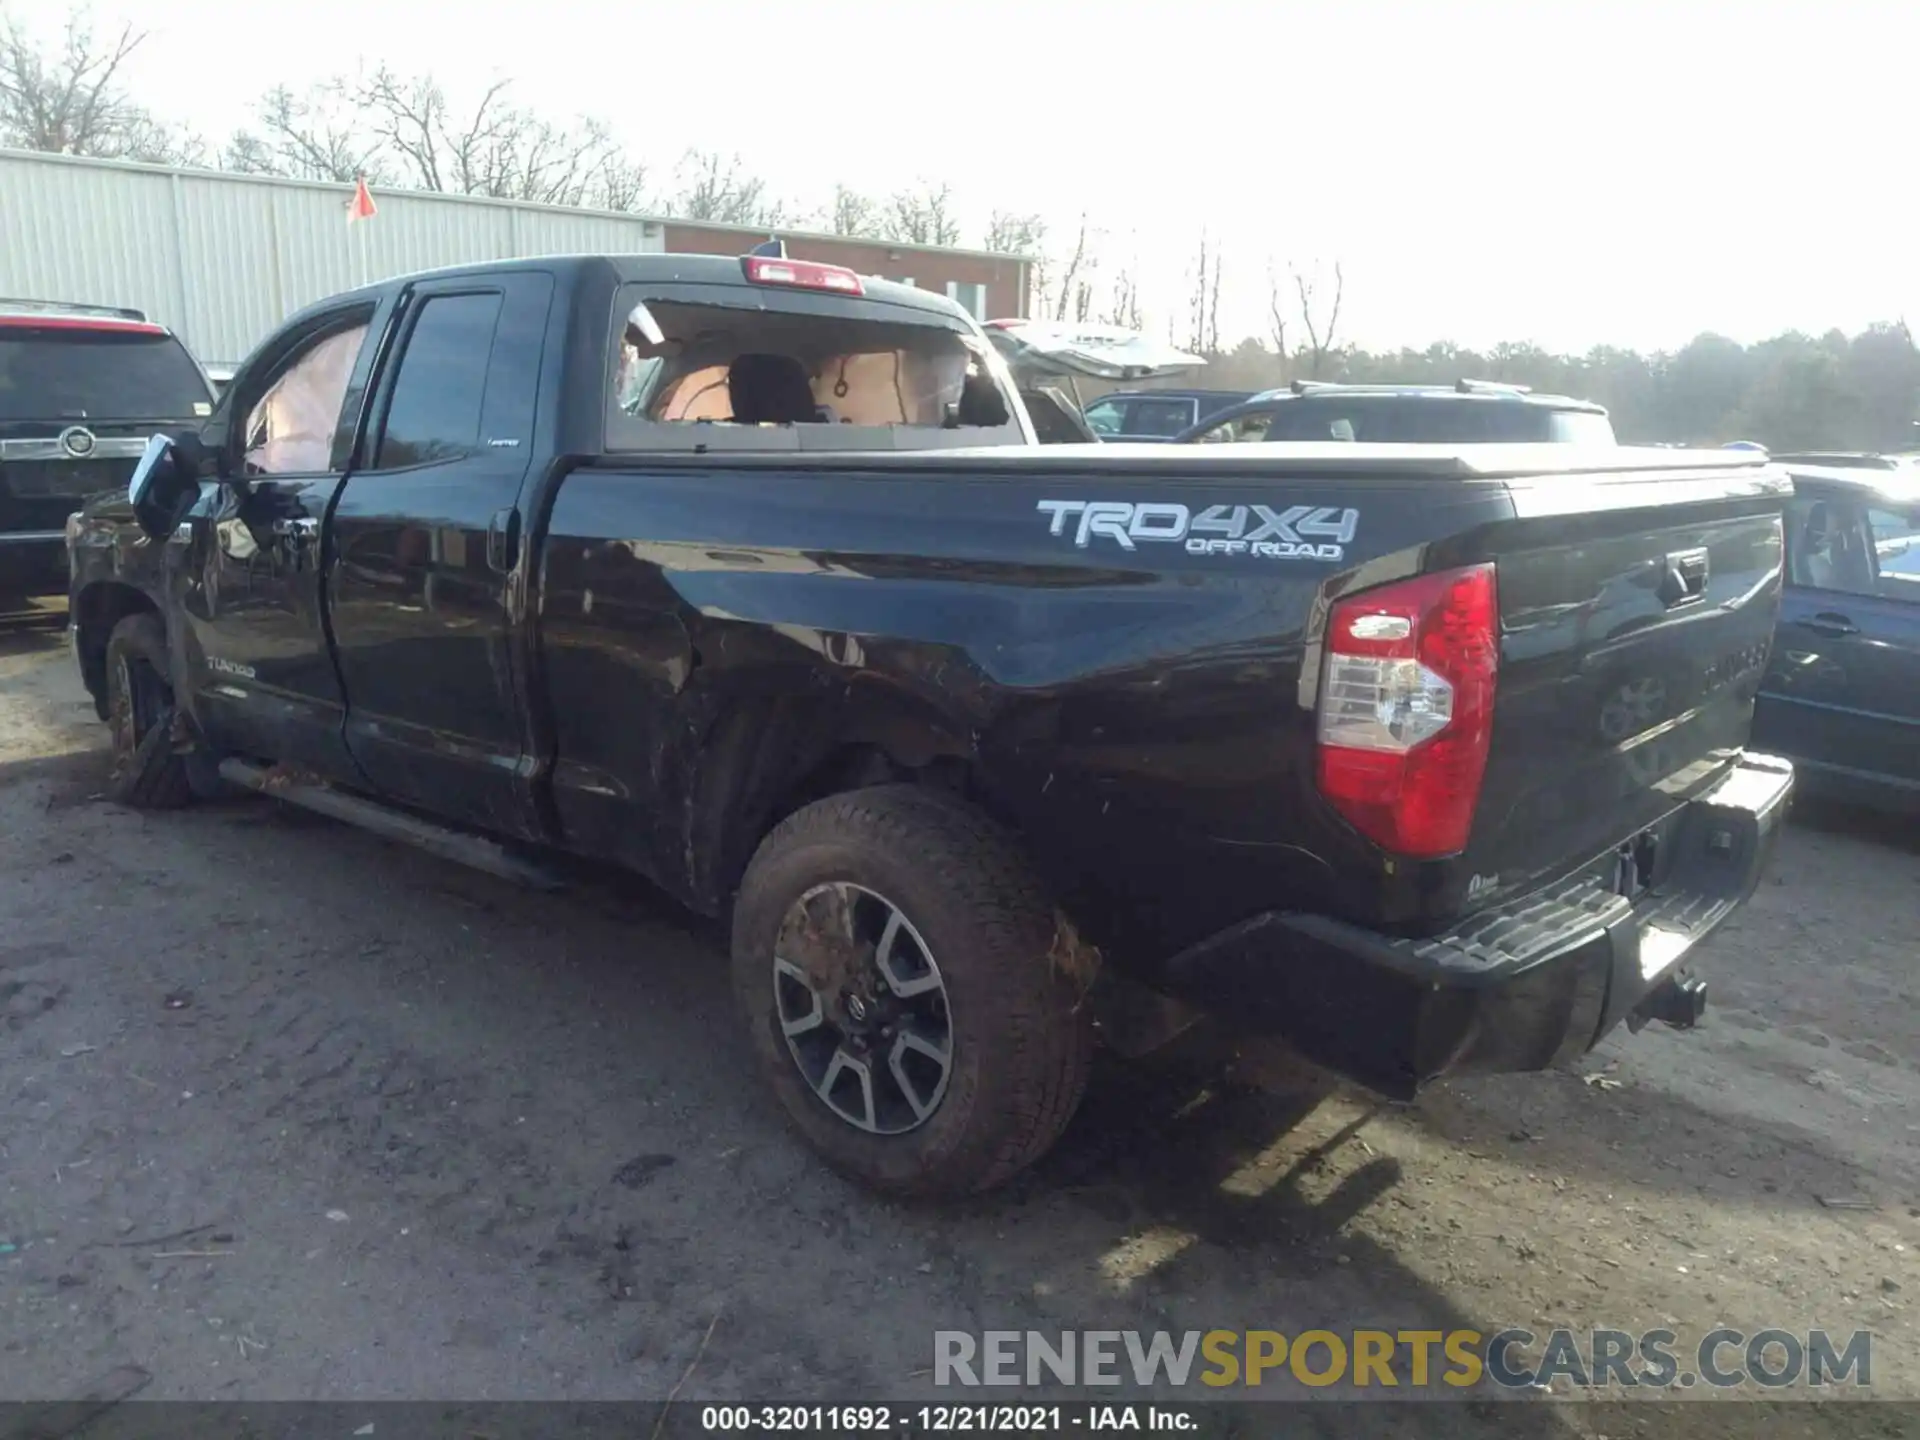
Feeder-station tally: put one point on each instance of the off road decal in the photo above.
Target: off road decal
(1299, 532)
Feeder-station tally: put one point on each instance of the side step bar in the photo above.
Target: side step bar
(449, 844)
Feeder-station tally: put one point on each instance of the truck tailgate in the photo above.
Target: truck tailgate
(1636, 615)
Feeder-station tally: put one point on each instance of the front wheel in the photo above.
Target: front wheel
(894, 957)
(149, 770)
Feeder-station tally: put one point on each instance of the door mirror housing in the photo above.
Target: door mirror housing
(167, 472)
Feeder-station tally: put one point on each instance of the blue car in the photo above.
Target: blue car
(1841, 696)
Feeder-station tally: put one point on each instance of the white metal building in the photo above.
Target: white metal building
(222, 259)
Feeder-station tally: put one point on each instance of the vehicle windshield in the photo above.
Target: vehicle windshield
(74, 375)
(720, 365)
(1419, 420)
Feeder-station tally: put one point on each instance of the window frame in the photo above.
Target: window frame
(1905, 584)
(1855, 511)
(393, 368)
(623, 434)
(1123, 407)
(1133, 429)
(278, 356)
(1232, 418)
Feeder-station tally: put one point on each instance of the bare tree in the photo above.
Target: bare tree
(1015, 234)
(1205, 304)
(853, 213)
(315, 136)
(922, 216)
(1319, 317)
(1213, 303)
(1123, 303)
(409, 115)
(403, 129)
(623, 186)
(70, 99)
(715, 187)
(1276, 315)
(1071, 277)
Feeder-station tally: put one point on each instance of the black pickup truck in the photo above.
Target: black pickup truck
(745, 574)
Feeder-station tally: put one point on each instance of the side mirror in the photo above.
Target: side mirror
(167, 472)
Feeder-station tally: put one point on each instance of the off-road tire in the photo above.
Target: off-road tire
(1022, 1035)
(149, 764)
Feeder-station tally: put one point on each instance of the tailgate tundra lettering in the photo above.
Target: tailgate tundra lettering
(1299, 532)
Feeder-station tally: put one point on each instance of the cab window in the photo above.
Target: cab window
(1852, 548)
(1161, 417)
(1106, 417)
(1895, 538)
(686, 364)
(290, 427)
(1242, 429)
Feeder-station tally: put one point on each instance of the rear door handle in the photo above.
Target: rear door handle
(503, 539)
(1829, 622)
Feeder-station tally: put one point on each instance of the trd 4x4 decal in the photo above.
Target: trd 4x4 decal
(1299, 532)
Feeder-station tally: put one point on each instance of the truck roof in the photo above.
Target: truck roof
(1848, 459)
(722, 270)
(1896, 486)
(1484, 390)
(1176, 392)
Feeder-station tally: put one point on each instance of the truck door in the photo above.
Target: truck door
(1842, 694)
(425, 544)
(246, 563)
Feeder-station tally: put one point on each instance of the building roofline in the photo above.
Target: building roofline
(333, 187)
(789, 233)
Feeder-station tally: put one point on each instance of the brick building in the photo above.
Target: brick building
(988, 286)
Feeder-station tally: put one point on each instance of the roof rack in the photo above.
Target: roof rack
(1461, 387)
(1842, 459)
(61, 307)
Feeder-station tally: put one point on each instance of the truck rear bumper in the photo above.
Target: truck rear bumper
(1520, 986)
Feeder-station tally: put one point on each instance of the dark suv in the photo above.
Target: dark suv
(81, 389)
(1466, 412)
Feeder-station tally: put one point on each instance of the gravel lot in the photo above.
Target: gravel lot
(290, 1112)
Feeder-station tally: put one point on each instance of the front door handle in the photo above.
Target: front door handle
(1830, 622)
(302, 529)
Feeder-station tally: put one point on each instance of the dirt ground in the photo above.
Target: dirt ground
(289, 1112)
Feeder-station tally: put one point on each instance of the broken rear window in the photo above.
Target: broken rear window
(733, 368)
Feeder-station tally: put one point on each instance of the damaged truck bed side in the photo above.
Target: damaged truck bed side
(748, 576)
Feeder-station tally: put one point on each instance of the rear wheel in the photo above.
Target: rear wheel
(892, 953)
(150, 767)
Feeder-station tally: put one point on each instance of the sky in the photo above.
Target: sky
(1565, 172)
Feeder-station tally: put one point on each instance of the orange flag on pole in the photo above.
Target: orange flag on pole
(361, 207)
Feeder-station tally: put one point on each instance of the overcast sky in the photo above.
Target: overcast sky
(1563, 171)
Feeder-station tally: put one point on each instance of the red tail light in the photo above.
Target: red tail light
(802, 274)
(1406, 708)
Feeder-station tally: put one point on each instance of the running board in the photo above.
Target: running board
(449, 844)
